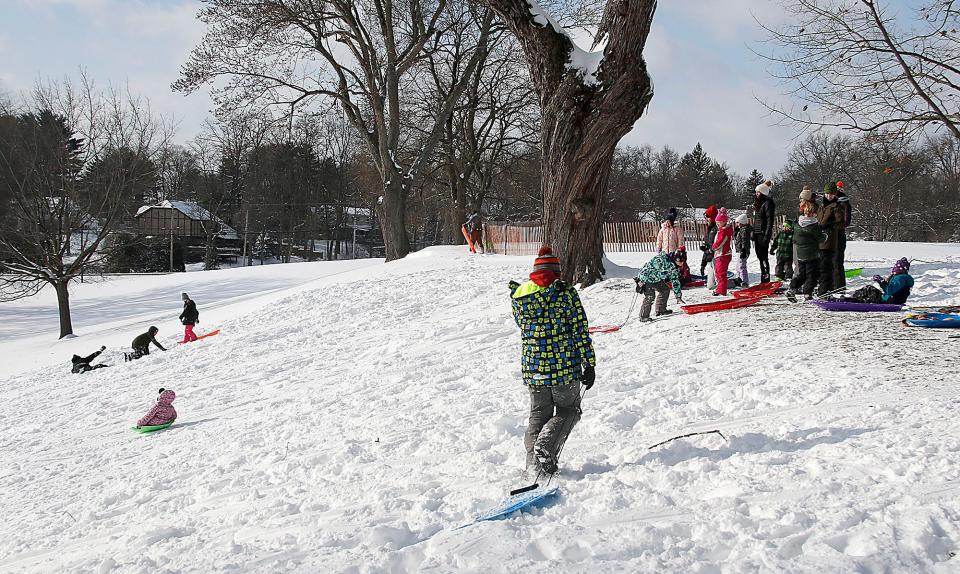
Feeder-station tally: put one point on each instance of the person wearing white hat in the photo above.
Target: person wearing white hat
(765, 215)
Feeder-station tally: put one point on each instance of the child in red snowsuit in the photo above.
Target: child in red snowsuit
(722, 248)
(162, 412)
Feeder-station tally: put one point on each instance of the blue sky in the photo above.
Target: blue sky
(706, 79)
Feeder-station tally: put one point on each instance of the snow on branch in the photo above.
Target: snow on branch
(584, 61)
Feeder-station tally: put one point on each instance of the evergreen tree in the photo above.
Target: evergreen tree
(750, 186)
(695, 166)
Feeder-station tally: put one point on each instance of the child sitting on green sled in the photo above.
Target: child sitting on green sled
(162, 413)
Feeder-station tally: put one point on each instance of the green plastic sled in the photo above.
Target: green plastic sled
(154, 428)
(851, 273)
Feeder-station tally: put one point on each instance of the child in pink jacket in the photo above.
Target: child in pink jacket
(670, 237)
(722, 250)
(162, 412)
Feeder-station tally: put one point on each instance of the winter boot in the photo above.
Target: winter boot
(665, 312)
(545, 461)
(791, 296)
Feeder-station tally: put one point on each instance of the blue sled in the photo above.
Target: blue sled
(517, 502)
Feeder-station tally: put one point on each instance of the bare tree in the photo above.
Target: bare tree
(359, 53)
(494, 118)
(67, 170)
(861, 65)
(588, 102)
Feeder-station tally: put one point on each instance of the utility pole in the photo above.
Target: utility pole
(246, 237)
(170, 225)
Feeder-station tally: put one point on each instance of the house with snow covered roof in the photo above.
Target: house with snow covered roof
(181, 219)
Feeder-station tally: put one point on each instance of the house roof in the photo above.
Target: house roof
(195, 212)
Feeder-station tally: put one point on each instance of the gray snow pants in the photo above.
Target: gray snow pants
(661, 291)
(553, 413)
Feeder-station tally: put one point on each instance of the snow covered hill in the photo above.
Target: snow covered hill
(351, 423)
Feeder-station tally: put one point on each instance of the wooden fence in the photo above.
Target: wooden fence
(618, 236)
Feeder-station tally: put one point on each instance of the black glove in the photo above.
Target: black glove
(103, 347)
(639, 283)
(589, 376)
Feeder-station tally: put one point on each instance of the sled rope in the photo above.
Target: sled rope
(687, 435)
(612, 328)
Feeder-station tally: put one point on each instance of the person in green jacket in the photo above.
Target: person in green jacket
(653, 280)
(557, 359)
(807, 238)
(783, 248)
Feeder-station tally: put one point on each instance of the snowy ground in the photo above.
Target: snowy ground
(350, 424)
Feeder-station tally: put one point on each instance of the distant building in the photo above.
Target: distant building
(181, 219)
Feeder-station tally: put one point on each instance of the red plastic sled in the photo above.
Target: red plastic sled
(603, 329)
(466, 236)
(721, 305)
(695, 283)
(759, 290)
(204, 336)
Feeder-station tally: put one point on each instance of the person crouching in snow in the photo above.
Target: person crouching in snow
(722, 246)
(742, 241)
(82, 364)
(680, 258)
(896, 287)
(141, 344)
(189, 317)
(557, 358)
(162, 412)
(652, 282)
(670, 236)
(783, 248)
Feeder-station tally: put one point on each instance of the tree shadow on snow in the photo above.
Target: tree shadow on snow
(751, 443)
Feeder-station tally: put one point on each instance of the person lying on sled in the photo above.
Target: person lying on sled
(896, 287)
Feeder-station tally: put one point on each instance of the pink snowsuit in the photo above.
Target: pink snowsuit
(669, 239)
(722, 255)
(162, 412)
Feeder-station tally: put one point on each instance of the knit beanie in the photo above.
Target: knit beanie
(742, 219)
(831, 188)
(765, 187)
(546, 267)
(184, 296)
(711, 213)
(807, 193)
(787, 224)
(901, 266)
(722, 215)
(671, 215)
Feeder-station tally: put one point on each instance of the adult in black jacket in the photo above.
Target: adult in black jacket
(846, 214)
(141, 344)
(189, 317)
(764, 216)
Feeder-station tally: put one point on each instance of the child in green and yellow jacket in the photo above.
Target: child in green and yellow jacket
(783, 248)
(557, 358)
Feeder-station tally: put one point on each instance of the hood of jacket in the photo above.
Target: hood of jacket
(534, 301)
(806, 221)
(166, 397)
(666, 225)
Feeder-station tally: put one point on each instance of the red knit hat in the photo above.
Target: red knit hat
(546, 267)
(711, 212)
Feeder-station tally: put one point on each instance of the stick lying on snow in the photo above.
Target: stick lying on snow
(687, 435)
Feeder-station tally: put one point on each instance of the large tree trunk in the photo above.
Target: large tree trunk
(63, 303)
(393, 212)
(583, 119)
